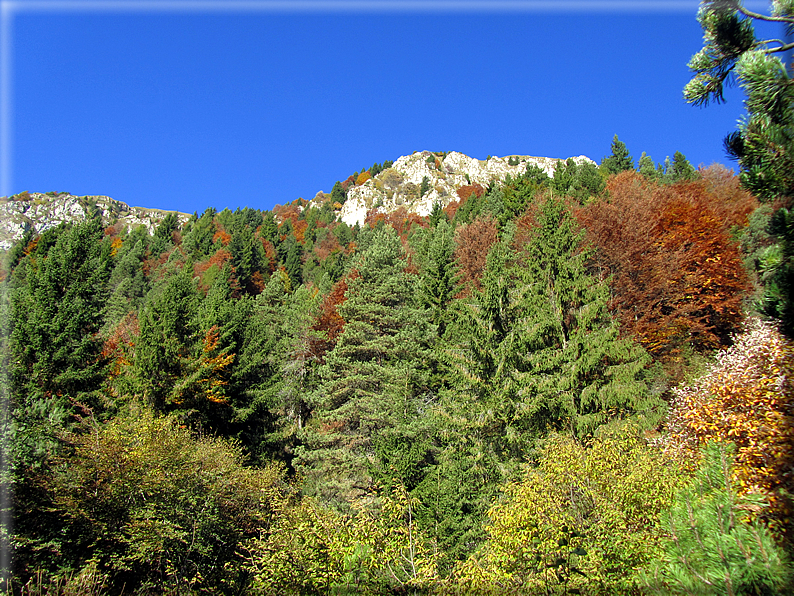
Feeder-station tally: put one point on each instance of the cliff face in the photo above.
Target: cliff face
(39, 212)
(418, 181)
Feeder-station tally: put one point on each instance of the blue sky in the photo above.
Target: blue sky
(187, 105)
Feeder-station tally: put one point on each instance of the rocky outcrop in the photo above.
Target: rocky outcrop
(418, 181)
(40, 212)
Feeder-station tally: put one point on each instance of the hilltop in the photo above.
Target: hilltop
(418, 181)
(41, 211)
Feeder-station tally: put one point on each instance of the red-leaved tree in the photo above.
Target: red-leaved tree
(676, 271)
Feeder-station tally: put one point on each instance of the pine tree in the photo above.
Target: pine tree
(619, 160)
(713, 547)
(577, 373)
(374, 379)
(57, 298)
(764, 142)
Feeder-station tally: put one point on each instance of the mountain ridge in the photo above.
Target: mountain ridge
(41, 211)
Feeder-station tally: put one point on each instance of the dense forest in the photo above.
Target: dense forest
(577, 383)
(530, 390)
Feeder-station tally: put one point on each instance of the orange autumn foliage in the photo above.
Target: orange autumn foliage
(115, 246)
(329, 323)
(223, 236)
(299, 229)
(473, 241)
(677, 274)
(219, 259)
(747, 398)
(363, 177)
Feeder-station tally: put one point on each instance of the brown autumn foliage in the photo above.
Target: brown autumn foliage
(400, 219)
(451, 209)
(747, 398)
(326, 247)
(473, 241)
(329, 323)
(120, 342)
(677, 275)
(284, 212)
(363, 177)
(350, 180)
(270, 253)
(464, 192)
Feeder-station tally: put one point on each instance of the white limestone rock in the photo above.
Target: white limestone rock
(40, 212)
(456, 170)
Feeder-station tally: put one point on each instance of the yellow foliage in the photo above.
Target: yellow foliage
(585, 519)
(747, 398)
(115, 246)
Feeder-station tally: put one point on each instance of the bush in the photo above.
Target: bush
(747, 398)
(147, 505)
(584, 520)
(713, 546)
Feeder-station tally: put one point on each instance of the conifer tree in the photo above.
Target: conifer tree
(619, 160)
(128, 284)
(167, 339)
(375, 377)
(198, 240)
(714, 548)
(56, 305)
(438, 279)
(646, 167)
(577, 372)
(681, 170)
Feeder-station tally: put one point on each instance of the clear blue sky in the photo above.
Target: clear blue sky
(187, 107)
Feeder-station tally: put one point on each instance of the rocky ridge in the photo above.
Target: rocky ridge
(42, 211)
(419, 180)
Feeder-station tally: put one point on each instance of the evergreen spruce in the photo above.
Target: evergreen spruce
(619, 160)
(576, 373)
(375, 378)
(58, 294)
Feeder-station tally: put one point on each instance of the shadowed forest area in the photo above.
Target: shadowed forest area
(568, 384)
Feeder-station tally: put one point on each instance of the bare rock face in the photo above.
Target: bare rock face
(40, 212)
(418, 181)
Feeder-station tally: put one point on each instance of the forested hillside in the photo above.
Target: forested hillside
(552, 385)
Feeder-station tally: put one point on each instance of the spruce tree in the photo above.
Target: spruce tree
(576, 373)
(57, 298)
(619, 160)
(374, 379)
(167, 339)
(438, 278)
